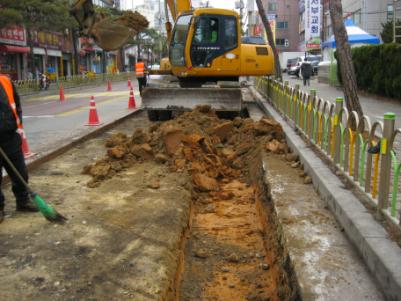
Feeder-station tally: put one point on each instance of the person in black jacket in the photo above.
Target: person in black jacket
(306, 71)
(10, 142)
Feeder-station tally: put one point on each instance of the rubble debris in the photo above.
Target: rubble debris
(209, 148)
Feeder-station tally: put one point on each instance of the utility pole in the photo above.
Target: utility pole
(240, 5)
(394, 22)
(160, 32)
(395, 27)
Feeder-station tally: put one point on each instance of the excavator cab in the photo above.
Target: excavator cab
(206, 43)
(213, 35)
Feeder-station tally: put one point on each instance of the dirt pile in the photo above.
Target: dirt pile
(209, 148)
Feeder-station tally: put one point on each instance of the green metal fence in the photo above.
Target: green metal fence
(344, 138)
(26, 87)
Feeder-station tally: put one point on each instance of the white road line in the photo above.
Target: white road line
(39, 116)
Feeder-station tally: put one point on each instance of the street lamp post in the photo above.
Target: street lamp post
(395, 27)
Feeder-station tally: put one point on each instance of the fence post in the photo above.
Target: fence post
(385, 166)
(285, 107)
(337, 130)
(295, 104)
(312, 96)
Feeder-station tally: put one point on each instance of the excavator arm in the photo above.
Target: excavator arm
(109, 33)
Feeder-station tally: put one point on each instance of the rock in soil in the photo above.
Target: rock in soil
(201, 253)
(308, 180)
(291, 157)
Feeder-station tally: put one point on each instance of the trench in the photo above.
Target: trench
(234, 247)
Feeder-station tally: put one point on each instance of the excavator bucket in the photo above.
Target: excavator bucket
(162, 102)
(108, 32)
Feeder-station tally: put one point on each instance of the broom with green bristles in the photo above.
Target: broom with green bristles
(48, 211)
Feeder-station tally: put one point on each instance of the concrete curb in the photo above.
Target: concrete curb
(381, 255)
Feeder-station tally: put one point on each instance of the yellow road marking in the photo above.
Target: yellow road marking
(78, 110)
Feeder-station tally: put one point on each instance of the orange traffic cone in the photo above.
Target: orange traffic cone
(109, 87)
(131, 101)
(129, 84)
(93, 117)
(25, 147)
(62, 97)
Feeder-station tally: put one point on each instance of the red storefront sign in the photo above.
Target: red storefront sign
(257, 30)
(14, 35)
(46, 39)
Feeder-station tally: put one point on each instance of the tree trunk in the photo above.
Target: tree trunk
(344, 58)
(270, 38)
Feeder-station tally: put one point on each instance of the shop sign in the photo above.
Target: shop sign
(86, 44)
(313, 44)
(14, 35)
(312, 20)
(47, 39)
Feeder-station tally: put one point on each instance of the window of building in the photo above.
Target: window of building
(390, 12)
(272, 7)
(357, 17)
(282, 25)
(280, 42)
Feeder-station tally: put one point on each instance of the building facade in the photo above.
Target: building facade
(14, 52)
(107, 3)
(366, 14)
(284, 20)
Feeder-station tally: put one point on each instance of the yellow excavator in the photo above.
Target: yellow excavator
(206, 42)
(206, 56)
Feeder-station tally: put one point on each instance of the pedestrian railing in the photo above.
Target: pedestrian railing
(344, 138)
(30, 86)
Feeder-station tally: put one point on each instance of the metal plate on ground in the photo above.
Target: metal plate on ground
(181, 99)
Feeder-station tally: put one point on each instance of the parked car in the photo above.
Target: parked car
(315, 60)
(294, 65)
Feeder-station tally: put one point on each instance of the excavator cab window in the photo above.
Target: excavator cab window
(214, 35)
(177, 47)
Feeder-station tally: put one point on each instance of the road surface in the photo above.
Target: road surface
(49, 123)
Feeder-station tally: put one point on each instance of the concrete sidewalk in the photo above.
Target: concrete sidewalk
(374, 107)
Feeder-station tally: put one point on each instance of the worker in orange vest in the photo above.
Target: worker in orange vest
(140, 70)
(10, 142)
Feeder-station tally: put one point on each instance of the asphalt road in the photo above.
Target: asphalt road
(49, 123)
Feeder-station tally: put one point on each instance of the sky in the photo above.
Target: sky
(230, 4)
(215, 3)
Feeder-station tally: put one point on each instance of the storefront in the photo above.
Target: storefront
(111, 62)
(47, 53)
(91, 56)
(37, 64)
(13, 52)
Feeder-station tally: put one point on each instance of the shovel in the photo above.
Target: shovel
(47, 210)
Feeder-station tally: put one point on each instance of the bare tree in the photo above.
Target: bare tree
(344, 58)
(270, 38)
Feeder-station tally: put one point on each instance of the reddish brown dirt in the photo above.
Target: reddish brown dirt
(229, 256)
(232, 250)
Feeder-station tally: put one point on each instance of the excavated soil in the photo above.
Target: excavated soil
(233, 248)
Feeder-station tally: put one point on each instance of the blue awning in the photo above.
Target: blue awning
(355, 36)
